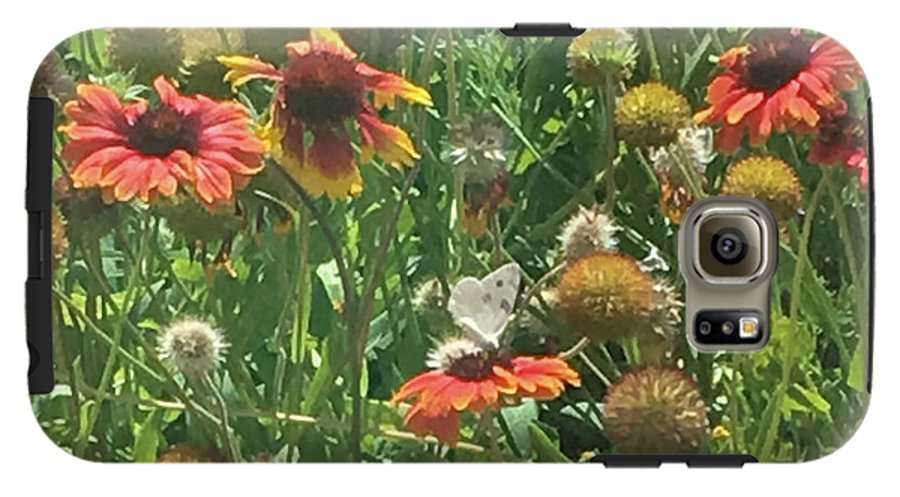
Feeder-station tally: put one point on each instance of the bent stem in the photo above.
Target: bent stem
(227, 434)
(772, 415)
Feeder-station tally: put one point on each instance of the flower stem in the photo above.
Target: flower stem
(227, 434)
(594, 369)
(609, 99)
(112, 356)
(575, 349)
(304, 297)
(688, 171)
(772, 415)
(655, 72)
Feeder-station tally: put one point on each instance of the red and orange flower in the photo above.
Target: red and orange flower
(143, 150)
(842, 140)
(784, 81)
(321, 88)
(468, 377)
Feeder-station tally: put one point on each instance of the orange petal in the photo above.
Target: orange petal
(746, 104)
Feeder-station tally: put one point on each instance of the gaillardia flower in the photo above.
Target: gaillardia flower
(144, 150)
(769, 179)
(320, 90)
(608, 296)
(650, 115)
(843, 140)
(783, 81)
(586, 232)
(467, 377)
(605, 296)
(655, 411)
(598, 54)
(194, 346)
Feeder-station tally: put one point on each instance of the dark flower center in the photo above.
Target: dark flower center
(478, 365)
(323, 88)
(163, 130)
(774, 62)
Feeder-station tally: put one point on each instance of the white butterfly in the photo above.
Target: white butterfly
(483, 308)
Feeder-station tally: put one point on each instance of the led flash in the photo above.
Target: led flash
(749, 327)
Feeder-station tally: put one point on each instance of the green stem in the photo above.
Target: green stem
(609, 99)
(772, 415)
(655, 72)
(301, 330)
(843, 226)
(227, 433)
(737, 428)
(594, 369)
(688, 170)
(112, 356)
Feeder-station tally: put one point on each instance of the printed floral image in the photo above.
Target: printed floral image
(445, 245)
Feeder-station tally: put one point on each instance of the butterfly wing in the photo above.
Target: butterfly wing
(482, 308)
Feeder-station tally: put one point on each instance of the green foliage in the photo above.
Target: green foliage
(316, 352)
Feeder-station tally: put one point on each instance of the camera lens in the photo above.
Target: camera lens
(729, 245)
(705, 328)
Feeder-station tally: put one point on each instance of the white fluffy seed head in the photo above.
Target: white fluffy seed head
(448, 353)
(588, 231)
(666, 309)
(695, 143)
(192, 345)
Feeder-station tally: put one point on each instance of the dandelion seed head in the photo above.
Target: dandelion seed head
(192, 345)
(588, 231)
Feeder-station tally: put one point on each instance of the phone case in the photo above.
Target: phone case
(292, 245)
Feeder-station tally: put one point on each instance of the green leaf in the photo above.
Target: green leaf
(519, 418)
(146, 440)
(322, 315)
(187, 269)
(791, 405)
(814, 398)
(546, 450)
(691, 60)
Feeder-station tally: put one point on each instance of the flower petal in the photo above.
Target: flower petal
(242, 69)
(743, 106)
(390, 142)
(387, 86)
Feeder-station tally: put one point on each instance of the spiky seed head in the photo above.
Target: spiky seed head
(768, 179)
(193, 346)
(651, 115)
(655, 410)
